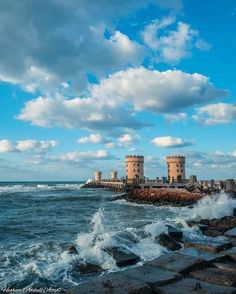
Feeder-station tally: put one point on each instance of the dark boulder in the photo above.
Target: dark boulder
(72, 250)
(88, 268)
(168, 242)
(122, 256)
(175, 233)
(215, 276)
(207, 245)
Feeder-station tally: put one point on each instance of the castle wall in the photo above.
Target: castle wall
(98, 176)
(176, 168)
(134, 168)
(114, 175)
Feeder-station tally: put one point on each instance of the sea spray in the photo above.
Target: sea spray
(148, 248)
(91, 244)
(213, 206)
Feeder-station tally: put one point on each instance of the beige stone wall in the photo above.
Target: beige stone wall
(98, 176)
(176, 168)
(134, 168)
(114, 175)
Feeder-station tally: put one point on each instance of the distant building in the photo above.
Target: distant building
(230, 185)
(98, 176)
(176, 168)
(134, 168)
(114, 175)
(193, 179)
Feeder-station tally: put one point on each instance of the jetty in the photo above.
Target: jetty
(189, 266)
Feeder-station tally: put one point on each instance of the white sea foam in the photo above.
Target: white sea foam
(214, 206)
(155, 229)
(18, 188)
(91, 244)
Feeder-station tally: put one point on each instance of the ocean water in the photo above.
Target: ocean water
(39, 221)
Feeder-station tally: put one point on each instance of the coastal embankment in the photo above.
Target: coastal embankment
(206, 265)
(163, 196)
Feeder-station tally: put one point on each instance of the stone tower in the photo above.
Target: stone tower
(98, 176)
(134, 168)
(176, 168)
(114, 175)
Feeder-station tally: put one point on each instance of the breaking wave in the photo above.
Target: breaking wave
(214, 206)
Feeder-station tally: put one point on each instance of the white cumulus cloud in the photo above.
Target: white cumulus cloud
(114, 102)
(27, 146)
(93, 138)
(170, 142)
(172, 45)
(214, 114)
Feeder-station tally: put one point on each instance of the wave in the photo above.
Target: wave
(213, 206)
(18, 188)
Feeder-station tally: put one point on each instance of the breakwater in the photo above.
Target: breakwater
(194, 266)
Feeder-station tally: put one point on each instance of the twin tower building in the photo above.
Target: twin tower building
(135, 169)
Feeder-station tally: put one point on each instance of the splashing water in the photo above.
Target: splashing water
(214, 206)
(91, 244)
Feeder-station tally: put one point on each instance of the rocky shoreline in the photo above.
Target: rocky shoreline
(162, 196)
(190, 266)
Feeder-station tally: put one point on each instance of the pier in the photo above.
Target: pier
(125, 186)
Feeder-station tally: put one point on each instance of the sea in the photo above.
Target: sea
(39, 221)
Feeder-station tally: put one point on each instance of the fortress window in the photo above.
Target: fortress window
(137, 164)
(177, 170)
(133, 164)
(134, 170)
(177, 165)
(181, 170)
(138, 170)
(181, 165)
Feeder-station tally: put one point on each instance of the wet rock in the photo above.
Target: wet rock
(234, 212)
(210, 246)
(88, 268)
(231, 233)
(179, 263)
(216, 276)
(192, 286)
(220, 223)
(232, 221)
(207, 256)
(226, 266)
(213, 232)
(175, 233)
(122, 256)
(115, 283)
(205, 222)
(72, 250)
(168, 242)
(153, 276)
(231, 253)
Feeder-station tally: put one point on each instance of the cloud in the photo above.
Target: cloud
(128, 139)
(115, 102)
(214, 114)
(212, 160)
(175, 117)
(83, 156)
(93, 138)
(27, 146)
(6, 146)
(170, 142)
(169, 45)
(156, 91)
(84, 113)
(59, 47)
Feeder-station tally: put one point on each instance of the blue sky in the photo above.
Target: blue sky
(83, 83)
